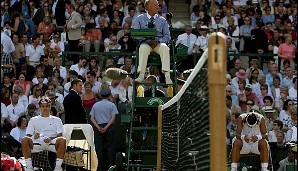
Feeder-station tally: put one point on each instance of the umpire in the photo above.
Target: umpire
(103, 116)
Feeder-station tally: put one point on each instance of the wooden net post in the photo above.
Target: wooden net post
(217, 66)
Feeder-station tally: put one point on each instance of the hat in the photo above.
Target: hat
(31, 106)
(241, 74)
(248, 86)
(268, 109)
(51, 94)
(105, 92)
(45, 100)
(254, 1)
(228, 76)
(204, 27)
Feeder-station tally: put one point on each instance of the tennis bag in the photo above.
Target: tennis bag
(10, 163)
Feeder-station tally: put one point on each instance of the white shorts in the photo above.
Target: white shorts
(249, 147)
(39, 145)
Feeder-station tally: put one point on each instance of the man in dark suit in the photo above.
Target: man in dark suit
(157, 92)
(74, 110)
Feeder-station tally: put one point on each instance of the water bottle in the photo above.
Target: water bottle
(153, 91)
(140, 91)
(170, 91)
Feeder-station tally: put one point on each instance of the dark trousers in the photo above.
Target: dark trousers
(101, 140)
(73, 46)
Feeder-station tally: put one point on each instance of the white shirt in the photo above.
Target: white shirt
(122, 93)
(80, 71)
(225, 21)
(16, 133)
(293, 93)
(59, 98)
(47, 126)
(34, 54)
(182, 38)
(202, 42)
(4, 111)
(63, 71)
(59, 44)
(23, 99)
(66, 88)
(234, 83)
(14, 112)
(115, 90)
(8, 46)
(286, 81)
(35, 81)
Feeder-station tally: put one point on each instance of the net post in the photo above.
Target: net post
(217, 66)
(159, 134)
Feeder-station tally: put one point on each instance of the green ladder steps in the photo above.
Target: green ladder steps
(144, 128)
(149, 102)
(144, 151)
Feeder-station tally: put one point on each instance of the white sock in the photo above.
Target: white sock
(234, 165)
(58, 163)
(28, 162)
(264, 165)
(141, 75)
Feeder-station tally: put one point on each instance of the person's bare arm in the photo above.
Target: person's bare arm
(239, 127)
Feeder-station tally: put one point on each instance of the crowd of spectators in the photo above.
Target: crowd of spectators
(34, 34)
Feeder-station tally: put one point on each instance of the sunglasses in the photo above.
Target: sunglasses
(228, 91)
(247, 89)
(275, 124)
(250, 104)
(45, 6)
(263, 89)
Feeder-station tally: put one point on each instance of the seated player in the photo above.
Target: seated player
(251, 135)
(44, 132)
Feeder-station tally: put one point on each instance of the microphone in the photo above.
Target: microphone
(116, 73)
(169, 16)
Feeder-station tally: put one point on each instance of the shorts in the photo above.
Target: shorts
(249, 147)
(39, 145)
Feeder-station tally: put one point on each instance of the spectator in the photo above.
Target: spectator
(228, 15)
(217, 22)
(153, 91)
(232, 124)
(287, 50)
(40, 83)
(56, 41)
(264, 93)
(74, 110)
(51, 51)
(285, 115)
(230, 43)
(115, 90)
(276, 87)
(5, 96)
(38, 73)
(273, 72)
(62, 69)
(18, 133)
(247, 95)
(45, 27)
(202, 41)
(44, 64)
(128, 66)
(4, 115)
(8, 46)
(73, 28)
(232, 29)
(268, 30)
(229, 92)
(91, 77)
(241, 74)
(127, 43)
(88, 96)
(293, 91)
(238, 65)
(292, 123)
(41, 13)
(52, 88)
(31, 111)
(280, 13)
(7, 66)
(288, 79)
(273, 43)
(57, 108)
(113, 44)
(67, 81)
(274, 133)
(58, 10)
(36, 96)
(19, 25)
(126, 91)
(103, 118)
(56, 74)
(15, 110)
(7, 82)
(268, 16)
(254, 65)
(93, 36)
(245, 33)
(25, 85)
(259, 39)
(34, 52)
(289, 161)
(19, 52)
(80, 66)
(188, 39)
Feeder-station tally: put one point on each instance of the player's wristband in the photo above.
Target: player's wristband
(259, 137)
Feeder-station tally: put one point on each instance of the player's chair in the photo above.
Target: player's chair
(82, 135)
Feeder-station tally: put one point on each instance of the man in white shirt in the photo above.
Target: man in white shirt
(80, 67)
(62, 69)
(34, 52)
(44, 132)
(288, 79)
(15, 110)
(202, 41)
(8, 46)
(96, 85)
